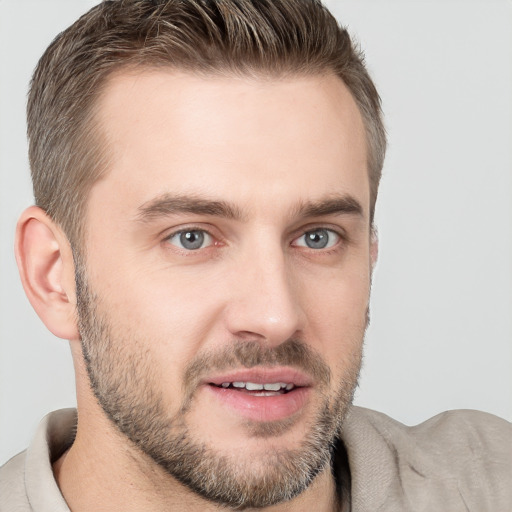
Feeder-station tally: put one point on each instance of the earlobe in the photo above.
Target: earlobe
(45, 263)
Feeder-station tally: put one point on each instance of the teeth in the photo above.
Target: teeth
(272, 387)
(253, 386)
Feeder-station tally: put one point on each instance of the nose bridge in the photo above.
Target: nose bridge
(266, 304)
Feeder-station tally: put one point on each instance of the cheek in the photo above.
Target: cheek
(336, 309)
(171, 312)
(340, 293)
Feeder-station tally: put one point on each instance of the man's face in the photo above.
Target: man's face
(224, 296)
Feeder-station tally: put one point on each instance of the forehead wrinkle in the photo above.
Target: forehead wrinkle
(169, 204)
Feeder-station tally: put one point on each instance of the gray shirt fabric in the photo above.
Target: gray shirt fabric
(456, 461)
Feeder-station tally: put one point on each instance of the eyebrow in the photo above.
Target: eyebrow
(167, 204)
(338, 205)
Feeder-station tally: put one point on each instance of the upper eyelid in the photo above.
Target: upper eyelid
(320, 228)
(167, 240)
(170, 232)
(338, 230)
(216, 235)
(187, 230)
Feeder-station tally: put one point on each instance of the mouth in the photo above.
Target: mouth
(258, 389)
(262, 395)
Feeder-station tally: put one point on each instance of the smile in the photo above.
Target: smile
(260, 394)
(257, 389)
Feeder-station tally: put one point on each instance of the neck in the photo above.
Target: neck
(100, 473)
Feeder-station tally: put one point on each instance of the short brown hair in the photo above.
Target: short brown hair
(272, 37)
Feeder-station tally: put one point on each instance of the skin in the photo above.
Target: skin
(266, 147)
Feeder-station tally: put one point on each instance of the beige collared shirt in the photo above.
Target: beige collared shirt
(456, 461)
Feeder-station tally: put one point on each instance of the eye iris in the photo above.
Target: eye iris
(192, 239)
(317, 239)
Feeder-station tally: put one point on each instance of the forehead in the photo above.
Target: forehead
(237, 138)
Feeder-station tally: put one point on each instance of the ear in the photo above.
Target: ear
(374, 246)
(45, 263)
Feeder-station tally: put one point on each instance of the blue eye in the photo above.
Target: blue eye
(191, 239)
(320, 238)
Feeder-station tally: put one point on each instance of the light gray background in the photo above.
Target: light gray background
(441, 332)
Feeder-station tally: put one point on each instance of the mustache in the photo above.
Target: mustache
(250, 354)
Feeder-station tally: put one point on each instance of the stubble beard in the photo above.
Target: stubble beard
(126, 390)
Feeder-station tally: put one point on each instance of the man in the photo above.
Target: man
(205, 177)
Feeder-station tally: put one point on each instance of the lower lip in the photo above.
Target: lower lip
(262, 408)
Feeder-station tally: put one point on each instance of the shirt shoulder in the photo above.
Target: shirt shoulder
(13, 497)
(27, 482)
(457, 460)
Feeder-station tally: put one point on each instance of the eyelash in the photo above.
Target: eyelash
(191, 229)
(333, 247)
(337, 232)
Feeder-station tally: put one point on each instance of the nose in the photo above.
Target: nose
(265, 302)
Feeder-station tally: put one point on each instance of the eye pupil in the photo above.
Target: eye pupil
(192, 239)
(317, 239)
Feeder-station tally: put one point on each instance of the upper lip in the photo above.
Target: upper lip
(262, 375)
